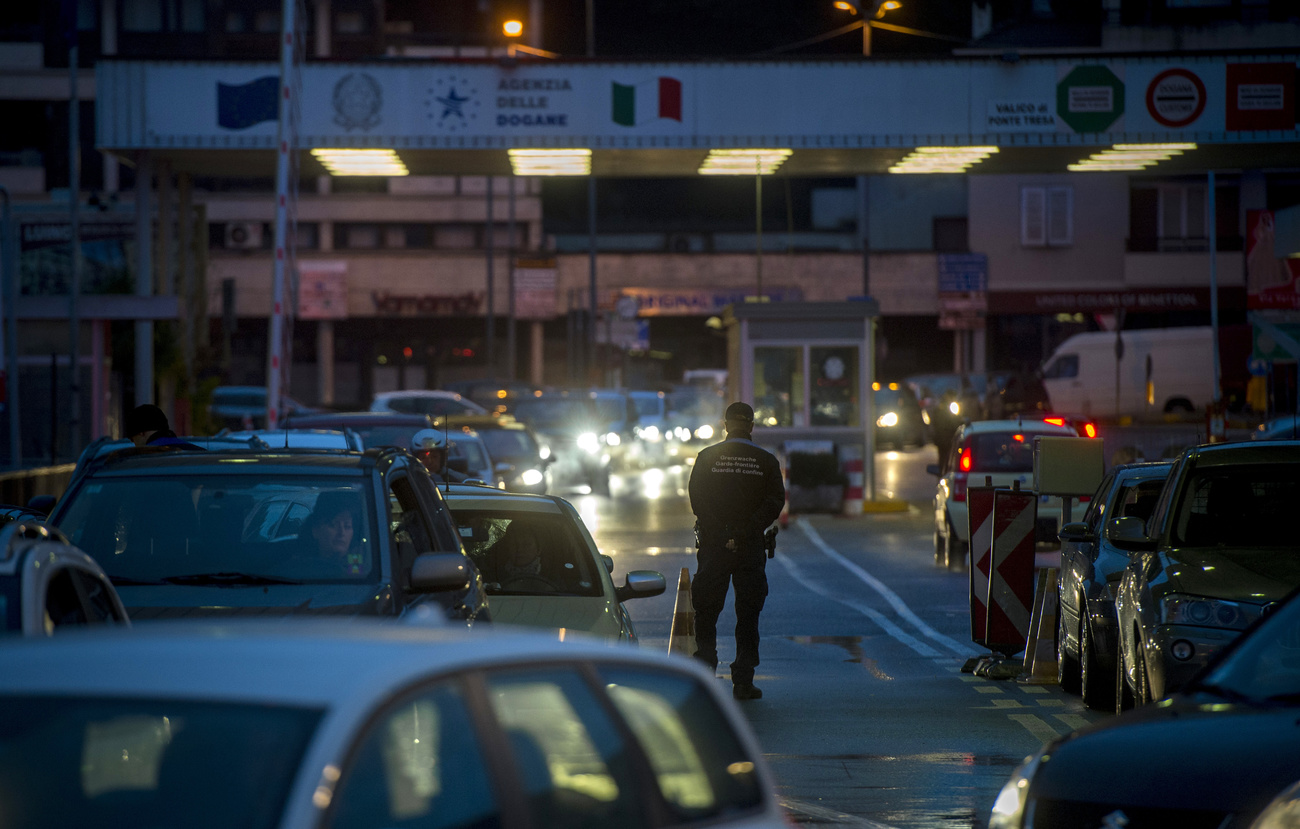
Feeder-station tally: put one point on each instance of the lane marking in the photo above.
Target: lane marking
(1033, 689)
(1051, 703)
(1042, 732)
(871, 613)
(1073, 721)
(988, 689)
(890, 596)
(1007, 703)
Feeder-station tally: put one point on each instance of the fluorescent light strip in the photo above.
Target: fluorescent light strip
(942, 159)
(572, 161)
(353, 162)
(743, 162)
(1129, 157)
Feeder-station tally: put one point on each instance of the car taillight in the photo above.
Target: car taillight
(959, 486)
(1055, 421)
(965, 462)
(1088, 430)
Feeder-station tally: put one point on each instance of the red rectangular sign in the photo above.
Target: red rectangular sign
(1261, 96)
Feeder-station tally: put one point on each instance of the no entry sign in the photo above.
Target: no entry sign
(1176, 97)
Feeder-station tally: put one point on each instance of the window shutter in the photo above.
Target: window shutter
(1060, 216)
(1033, 219)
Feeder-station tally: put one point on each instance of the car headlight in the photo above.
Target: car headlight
(544, 452)
(1182, 609)
(954, 407)
(1282, 813)
(925, 417)
(588, 442)
(530, 477)
(613, 439)
(650, 433)
(1009, 808)
(705, 432)
(887, 419)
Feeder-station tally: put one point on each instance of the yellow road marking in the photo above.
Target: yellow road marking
(1041, 730)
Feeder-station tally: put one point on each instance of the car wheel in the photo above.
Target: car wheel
(1067, 667)
(1141, 685)
(1096, 686)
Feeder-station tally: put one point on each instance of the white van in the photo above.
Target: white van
(1083, 377)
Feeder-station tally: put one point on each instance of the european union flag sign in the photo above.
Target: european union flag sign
(241, 106)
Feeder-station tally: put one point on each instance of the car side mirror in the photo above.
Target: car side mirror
(641, 584)
(1077, 531)
(934, 469)
(609, 562)
(440, 572)
(1130, 534)
(41, 503)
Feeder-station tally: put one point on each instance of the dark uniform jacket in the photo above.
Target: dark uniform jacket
(736, 491)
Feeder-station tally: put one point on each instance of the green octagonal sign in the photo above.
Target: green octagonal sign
(1090, 98)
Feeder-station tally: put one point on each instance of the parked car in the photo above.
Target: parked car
(298, 725)
(1217, 552)
(541, 566)
(188, 533)
(1210, 755)
(576, 434)
(898, 416)
(425, 401)
(1091, 569)
(1002, 450)
(244, 407)
(48, 586)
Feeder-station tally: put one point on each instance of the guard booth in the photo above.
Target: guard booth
(807, 369)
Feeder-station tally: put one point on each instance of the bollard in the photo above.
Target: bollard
(682, 638)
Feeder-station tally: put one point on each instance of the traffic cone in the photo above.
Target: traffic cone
(682, 638)
(1040, 646)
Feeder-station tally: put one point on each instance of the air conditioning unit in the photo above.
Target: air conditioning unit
(243, 235)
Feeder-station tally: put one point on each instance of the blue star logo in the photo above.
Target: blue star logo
(453, 104)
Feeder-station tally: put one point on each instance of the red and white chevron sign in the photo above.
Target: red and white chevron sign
(1011, 570)
(979, 517)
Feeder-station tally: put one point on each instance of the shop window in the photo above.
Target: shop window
(455, 236)
(1046, 216)
(360, 237)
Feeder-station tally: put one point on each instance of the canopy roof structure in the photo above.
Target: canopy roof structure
(1170, 114)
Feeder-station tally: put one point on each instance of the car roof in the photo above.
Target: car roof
(148, 459)
(361, 418)
(1017, 425)
(307, 662)
(485, 497)
(1256, 451)
(450, 395)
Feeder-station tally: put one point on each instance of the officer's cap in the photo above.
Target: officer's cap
(740, 412)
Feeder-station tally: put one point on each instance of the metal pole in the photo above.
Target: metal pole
(1214, 289)
(489, 243)
(758, 226)
(143, 275)
(864, 230)
(591, 270)
(591, 29)
(511, 347)
(9, 282)
(869, 415)
(284, 145)
(74, 241)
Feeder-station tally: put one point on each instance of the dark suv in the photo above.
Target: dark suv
(239, 532)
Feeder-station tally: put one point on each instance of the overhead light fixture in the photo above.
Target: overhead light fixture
(1129, 157)
(575, 161)
(352, 162)
(942, 159)
(743, 162)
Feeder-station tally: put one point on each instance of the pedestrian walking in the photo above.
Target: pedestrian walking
(736, 492)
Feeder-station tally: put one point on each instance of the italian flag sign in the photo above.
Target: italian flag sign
(647, 101)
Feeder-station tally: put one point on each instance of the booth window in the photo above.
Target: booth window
(833, 390)
(779, 386)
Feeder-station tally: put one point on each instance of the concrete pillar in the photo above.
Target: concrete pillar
(185, 249)
(165, 262)
(144, 275)
(323, 29)
(536, 350)
(325, 361)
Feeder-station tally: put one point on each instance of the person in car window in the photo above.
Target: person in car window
(517, 557)
(430, 446)
(332, 535)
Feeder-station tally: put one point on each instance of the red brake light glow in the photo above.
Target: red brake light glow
(1055, 421)
(1018, 438)
(1090, 430)
(966, 461)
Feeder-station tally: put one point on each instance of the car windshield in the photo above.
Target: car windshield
(191, 529)
(128, 762)
(1242, 505)
(509, 443)
(528, 553)
(1003, 451)
(559, 413)
(471, 451)
(1265, 665)
(894, 400)
(420, 404)
(647, 406)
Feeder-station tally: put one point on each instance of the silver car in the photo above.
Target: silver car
(347, 724)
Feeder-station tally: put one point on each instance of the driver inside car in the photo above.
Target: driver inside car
(517, 560)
